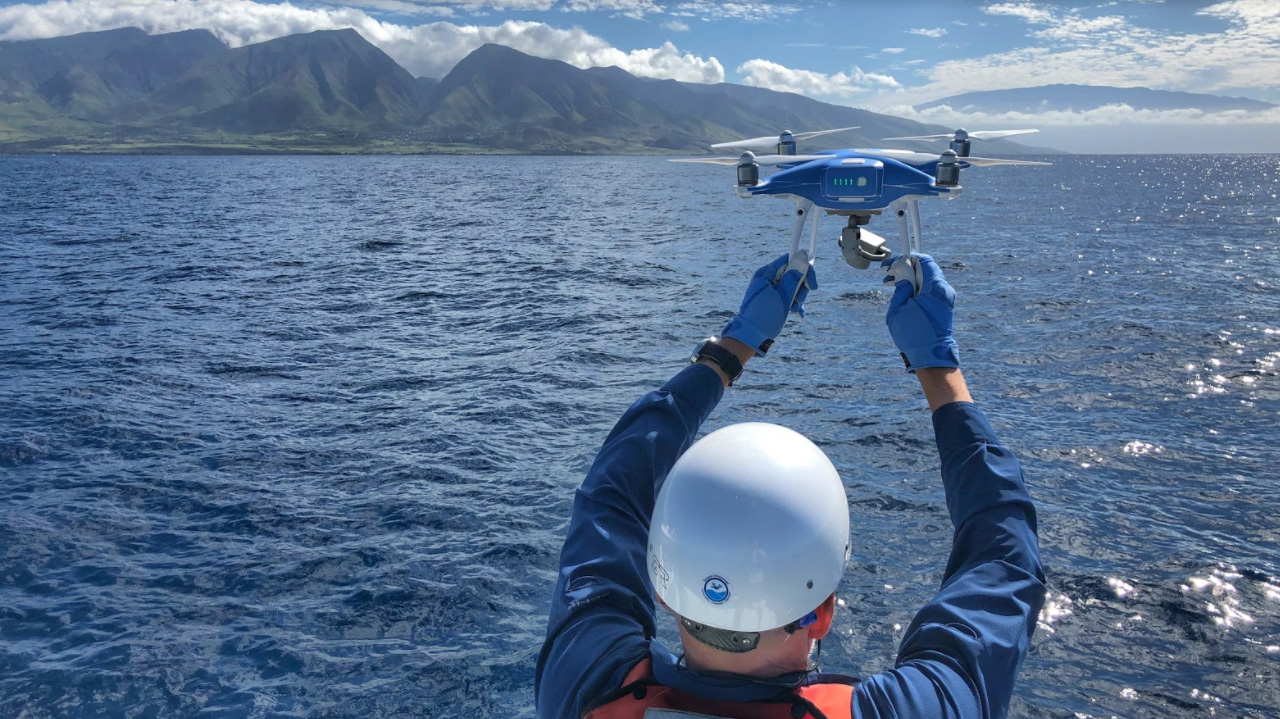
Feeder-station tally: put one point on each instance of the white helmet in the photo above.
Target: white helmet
(750, 531)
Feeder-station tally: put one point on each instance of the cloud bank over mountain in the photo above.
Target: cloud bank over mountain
(430, 49)
(883, 57)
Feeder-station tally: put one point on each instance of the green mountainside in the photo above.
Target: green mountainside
(333, 91)
(74, 81)
(503, 98)
(332, 79)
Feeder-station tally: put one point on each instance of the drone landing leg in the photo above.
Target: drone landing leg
(916, 224)
(908, 213)
(813, 237)
(800, 259)
(803, 209)
(904, 227)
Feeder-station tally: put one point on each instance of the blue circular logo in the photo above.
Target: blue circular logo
(715, 589)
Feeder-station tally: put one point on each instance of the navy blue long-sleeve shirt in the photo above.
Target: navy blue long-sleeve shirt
(959, 657)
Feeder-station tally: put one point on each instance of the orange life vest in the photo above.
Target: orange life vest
(828, 698)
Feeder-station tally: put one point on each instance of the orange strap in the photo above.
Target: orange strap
(832, 699)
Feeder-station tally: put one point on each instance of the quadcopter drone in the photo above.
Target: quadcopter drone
(858, 184)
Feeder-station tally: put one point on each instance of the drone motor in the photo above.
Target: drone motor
(749, 169)
(786, 143)
(948, 172)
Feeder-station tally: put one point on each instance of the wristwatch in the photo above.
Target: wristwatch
(728, 362)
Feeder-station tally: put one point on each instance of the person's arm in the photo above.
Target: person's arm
(602, 609)
(961, 654)
(943, 385)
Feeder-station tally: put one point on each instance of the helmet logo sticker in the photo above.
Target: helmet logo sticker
(715, 589)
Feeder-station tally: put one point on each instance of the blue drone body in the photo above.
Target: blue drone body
(852, 181)
(857, 184)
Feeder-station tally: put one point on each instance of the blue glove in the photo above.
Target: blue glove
(764, 307)
(921, 323)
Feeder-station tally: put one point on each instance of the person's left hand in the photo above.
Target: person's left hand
(766, 303)
(921, 320)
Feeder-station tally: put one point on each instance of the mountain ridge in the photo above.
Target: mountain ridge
(333, 91)
(328, 78)
(86, 75)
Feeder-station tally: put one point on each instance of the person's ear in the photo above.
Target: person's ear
(826, 615)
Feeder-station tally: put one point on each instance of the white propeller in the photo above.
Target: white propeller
(762, 160)
(994, 161)
(772, 140)
(963, 135)
(911, 157)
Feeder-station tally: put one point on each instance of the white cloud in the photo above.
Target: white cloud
(1025, 10)
(430, 49)
(1083, 46)
(1122, 129)
(934, 32)
(1082, 29)
(627, 8)
(771, 75)
(1142, 131)
(1110, 115)
(481, 5)
(660, 62)
(894, 50)
(675, 26)
(754, 11)
(442, 8)
(399, 7)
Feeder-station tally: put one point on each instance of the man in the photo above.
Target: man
(749, 537)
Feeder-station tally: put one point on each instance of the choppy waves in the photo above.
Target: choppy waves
(298, 436)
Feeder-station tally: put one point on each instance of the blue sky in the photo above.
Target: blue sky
(884, 56)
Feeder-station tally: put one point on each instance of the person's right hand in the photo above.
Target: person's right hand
(768, 301)
(921, 323)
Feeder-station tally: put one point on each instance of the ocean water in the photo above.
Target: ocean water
(299, 436)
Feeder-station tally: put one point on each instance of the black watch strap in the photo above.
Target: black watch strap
(723, 358)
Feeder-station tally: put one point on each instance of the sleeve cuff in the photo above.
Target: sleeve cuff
(698, 386)
(960, 424)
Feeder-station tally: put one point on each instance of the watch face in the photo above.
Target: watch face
(697, 350)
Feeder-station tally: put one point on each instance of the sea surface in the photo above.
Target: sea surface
(298, 436)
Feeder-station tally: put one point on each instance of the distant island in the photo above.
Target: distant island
(1082, 98)
(334, 92)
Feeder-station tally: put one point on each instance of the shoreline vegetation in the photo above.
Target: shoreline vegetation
(299, 143)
